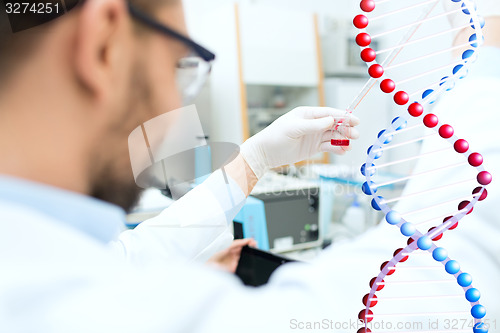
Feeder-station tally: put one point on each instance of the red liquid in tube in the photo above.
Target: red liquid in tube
(340, 143)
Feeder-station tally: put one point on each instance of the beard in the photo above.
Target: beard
(116, 190)
(113, 179)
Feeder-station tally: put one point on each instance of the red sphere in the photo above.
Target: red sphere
(364, 330)
(398, 251)
(437, 237)
(475, 159)
(431, 120)
(416, 110)
(376, 71)
(363, 39)
(410, 240)
(484, 178)
(364, 316)
(360, 21)
(463, 205)
(446, 131)
(483, 195)
(401, 98)
(453, 226)
(367, 5)
(387, 86)
(461, 146)
(368, 55)
(373, 301)
(391, 270)
(380, 286)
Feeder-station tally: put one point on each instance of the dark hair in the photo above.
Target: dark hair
(21, 34)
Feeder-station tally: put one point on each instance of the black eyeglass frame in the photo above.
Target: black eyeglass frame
(160, 27)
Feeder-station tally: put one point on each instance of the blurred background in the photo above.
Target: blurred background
(275, 55)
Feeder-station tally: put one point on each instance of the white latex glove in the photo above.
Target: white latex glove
(296, 136)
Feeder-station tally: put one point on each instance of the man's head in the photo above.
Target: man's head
(73, 89)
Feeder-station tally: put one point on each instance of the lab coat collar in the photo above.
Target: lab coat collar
(96, 218)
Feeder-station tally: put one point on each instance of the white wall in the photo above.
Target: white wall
(342, 8)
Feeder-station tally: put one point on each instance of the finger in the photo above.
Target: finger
(349, 132)
(327, 136)
(321, 112)
(243, 242)
(353, 120)
(344, 131)
(310, 126)
(310, 112)
(347, 120)
(327, 147)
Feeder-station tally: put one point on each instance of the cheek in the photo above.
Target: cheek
(165, 95)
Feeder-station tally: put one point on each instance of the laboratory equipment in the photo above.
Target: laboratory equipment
(251, 223)
(282, 214)
(415, 67)
(292, 218)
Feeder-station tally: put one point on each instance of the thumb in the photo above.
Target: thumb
(311, 126)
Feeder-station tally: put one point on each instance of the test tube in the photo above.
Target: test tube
(338, 132)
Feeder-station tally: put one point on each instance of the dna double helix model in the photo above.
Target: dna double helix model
(417, 51)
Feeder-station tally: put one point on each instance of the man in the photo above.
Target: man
(72, 90)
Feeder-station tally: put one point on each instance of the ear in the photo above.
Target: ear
(101, 46)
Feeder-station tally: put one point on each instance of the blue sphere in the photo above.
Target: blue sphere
(473, 38)
(375, 205)
(452, 267)
(448, 83)
(377, 155)
(467, 54)
(393, 217)
(368, 188)
(466, 10)
(408, 229)
(424, 243)
(440, 254)
(464, 279)
(403, 124)
(478, 311)
(482, 23)
(427, 93)
(457, 68)
(388, 138)
(461, 71)
(480, 328)
(372, 170)
(472, 295)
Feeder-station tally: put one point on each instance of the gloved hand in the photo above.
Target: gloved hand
(296, 136)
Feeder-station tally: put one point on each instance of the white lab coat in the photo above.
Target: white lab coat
(55, 279)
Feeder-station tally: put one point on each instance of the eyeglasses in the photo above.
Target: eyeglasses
(192, 70)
